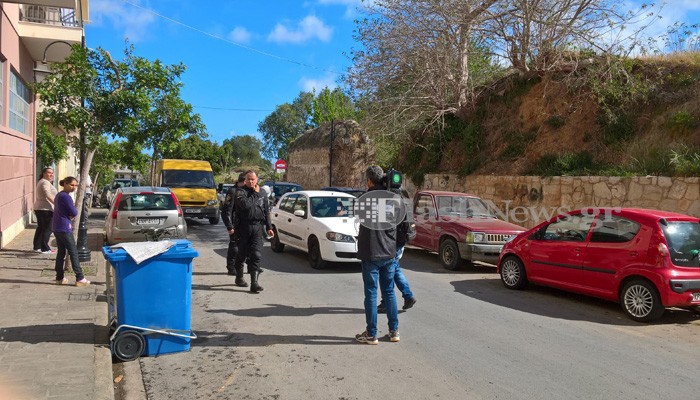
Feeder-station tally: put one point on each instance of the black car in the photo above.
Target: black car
(280, 188)
(353, 191)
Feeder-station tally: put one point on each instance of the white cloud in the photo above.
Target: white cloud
(132, 21)
(351, 6)
(240, 34)
(311, 84)
(309, 28)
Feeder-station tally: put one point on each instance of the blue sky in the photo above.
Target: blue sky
(245, 57)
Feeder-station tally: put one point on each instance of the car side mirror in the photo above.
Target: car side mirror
(300, 213)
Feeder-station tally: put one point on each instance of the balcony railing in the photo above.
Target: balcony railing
(49, 15)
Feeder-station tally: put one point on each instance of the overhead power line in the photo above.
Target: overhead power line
(289, 60)
(232, 109)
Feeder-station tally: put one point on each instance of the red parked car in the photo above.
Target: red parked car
(645, 259)
(459, 227)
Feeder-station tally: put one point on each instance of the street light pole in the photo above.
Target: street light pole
(84, 253)
(330, 169)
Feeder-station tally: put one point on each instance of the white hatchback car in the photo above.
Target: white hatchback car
(318, 222)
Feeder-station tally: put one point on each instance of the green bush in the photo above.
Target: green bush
(685, 161)
(618, 128)
(572, 164)
(556, 121)
(682, 121)
(517, 143)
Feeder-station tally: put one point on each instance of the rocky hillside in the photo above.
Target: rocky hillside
(644, 121)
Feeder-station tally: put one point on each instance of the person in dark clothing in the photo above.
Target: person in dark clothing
(229, 217)
(253, 221)
(63, 215)
(376, 249)
(405, 231)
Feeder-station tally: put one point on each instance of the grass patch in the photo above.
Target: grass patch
(568, 164)
(556, 121)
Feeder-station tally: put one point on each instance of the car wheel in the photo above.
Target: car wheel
(315, 254)
(214, 220)
(641, 301)
(275, 243)
(513, 273)
(449, 254)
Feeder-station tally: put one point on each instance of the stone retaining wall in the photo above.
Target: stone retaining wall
(528, 200)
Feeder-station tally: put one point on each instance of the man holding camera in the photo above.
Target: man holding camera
(376, 249)
(253, 215)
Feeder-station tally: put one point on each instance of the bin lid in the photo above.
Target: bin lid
(141, 251)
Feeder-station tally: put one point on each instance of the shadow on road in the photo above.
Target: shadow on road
(281, 310)
(240, 339)
(554, 303)
(423, 261)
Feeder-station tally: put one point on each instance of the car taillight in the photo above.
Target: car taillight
(116, 206)
(663, 250)
(177, 204)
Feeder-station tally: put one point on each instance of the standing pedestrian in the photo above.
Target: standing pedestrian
(253, 216)
(405, 231)
(229, 218)
(376, 249)
(64, 213)
(43, 209)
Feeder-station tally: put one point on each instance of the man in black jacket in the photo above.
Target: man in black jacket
(253, 215)
(376, 249)
(229, 218)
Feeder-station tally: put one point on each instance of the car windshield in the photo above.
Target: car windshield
(147, 202)
(188, 179)
(463, 207)
(324, 207)
(683, 240)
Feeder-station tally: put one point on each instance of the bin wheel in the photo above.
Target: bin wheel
(128, 345)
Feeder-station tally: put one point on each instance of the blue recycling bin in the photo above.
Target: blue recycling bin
(152, 301)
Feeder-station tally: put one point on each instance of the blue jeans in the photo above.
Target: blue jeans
(382, 271)
(66, 242)
(399, 278)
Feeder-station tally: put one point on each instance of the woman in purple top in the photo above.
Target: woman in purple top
(63, 213)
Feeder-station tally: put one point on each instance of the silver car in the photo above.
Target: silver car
(144, 213)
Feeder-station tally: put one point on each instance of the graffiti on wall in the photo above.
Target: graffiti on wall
(522, 193)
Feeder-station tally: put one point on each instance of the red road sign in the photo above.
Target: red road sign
(280, 164)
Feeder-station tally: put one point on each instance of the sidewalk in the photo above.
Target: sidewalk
(53, 339)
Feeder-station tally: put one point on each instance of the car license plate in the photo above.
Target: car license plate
(148, 221)
(193, 210)
(696, 296)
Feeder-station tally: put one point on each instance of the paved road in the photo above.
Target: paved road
(466, 338)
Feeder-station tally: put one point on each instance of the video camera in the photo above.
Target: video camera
(392, 179)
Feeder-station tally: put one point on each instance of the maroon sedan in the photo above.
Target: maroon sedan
(459, 227)
(645, 259)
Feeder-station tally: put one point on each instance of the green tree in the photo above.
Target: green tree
(91, 95)
(50, 146)
(193, 147)
(332, 105)
(285, 124)
(241, 150)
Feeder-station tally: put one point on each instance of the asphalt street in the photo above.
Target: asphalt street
(467, 338)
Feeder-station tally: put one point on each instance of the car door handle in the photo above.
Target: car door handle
(634, 253)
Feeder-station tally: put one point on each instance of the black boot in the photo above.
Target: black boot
(240, 281)
(254, 287)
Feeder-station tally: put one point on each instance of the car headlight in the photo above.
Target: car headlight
(511, 237)
(212, 202)
(476, 237)
(339, 237)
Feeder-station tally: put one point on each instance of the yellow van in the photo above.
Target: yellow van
(192, 181)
